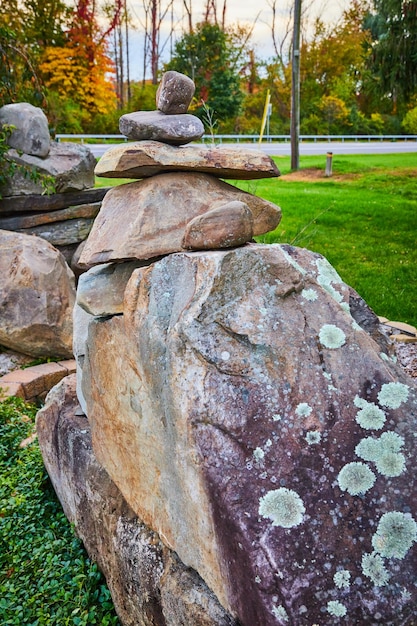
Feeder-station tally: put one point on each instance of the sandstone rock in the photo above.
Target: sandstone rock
(31, 134)
(149, 584)
(101, 290)
(62, 233)
(70, 166)
(171, 129)
(175, 93)
(248, 419)
(211, 230)
(81, 322)
(37, 293)
(24, 204)
(149, 218)
(147, 158)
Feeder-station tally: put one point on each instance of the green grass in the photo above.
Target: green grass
(45, 574)
(363, 220)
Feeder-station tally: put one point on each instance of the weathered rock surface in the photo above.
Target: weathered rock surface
(13, 205)
(175, 93)
(150, 217)
(147, 158)
(70, 166)
(37, 293)
(155, 125)
(248, 419)
(31, 134)
(149, 584)
(101, 290)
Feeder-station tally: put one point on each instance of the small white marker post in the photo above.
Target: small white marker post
(329, 164)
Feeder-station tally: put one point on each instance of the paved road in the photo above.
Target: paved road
(337, 147)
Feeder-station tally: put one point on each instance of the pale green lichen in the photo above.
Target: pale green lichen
(359, 402)
(303, 409)
(336, 608)
(384, 452)
(331, 336)
(326, 276)
(356, 478)
(259, 454)
(395, 534)
(391, 441)
(283, 506)
(342, 579)
(392, 395)
(373, 567)
(370, 416)
(309, 294)
(280, 613)
(313, 436)
(390, 464)
(368, 449)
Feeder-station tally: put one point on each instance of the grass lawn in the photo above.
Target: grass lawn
(363, 220)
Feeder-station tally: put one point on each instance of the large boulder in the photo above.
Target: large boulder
(68, 167)
(158, 215)
(149, 584)
(37, 294)
(31, 133)
(249, 420)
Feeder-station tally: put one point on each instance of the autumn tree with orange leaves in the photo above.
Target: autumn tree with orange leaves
(79, 71)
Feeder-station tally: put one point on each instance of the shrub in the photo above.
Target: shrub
(45, 575)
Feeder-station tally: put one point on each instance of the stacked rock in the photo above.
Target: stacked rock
(180, 203)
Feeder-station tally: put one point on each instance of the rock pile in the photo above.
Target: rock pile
(248, 455)
(51, 193)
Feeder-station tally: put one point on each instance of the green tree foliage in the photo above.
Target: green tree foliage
(392, 57)
(209, 56)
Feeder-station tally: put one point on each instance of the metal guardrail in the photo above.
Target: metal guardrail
(251, 138)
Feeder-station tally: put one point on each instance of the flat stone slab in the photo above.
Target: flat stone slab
(171, 129)
(147, 158)
(157, 216)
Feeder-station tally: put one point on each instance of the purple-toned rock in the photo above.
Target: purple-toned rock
(31, 134)
(153, 217)
(249, 420)
(148, 583)
(175, 93)
(172, 129)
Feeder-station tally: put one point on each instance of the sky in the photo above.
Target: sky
(245, 12)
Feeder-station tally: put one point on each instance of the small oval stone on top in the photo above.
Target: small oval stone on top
(175, 93)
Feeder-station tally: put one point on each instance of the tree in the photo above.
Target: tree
(78, 71)
(209, 56)
(393, 53)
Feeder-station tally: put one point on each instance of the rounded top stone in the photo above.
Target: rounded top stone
(175, 93)
(31, 134)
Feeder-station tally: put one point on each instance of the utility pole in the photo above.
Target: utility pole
(295, 89)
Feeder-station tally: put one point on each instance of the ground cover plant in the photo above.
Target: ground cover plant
(45, 574)
(363, 220)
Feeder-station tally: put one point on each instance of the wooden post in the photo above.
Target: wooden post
(329, 164)
(295, 89)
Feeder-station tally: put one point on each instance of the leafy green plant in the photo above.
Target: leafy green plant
(208, 119)
(7, 167)
(45, 575)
